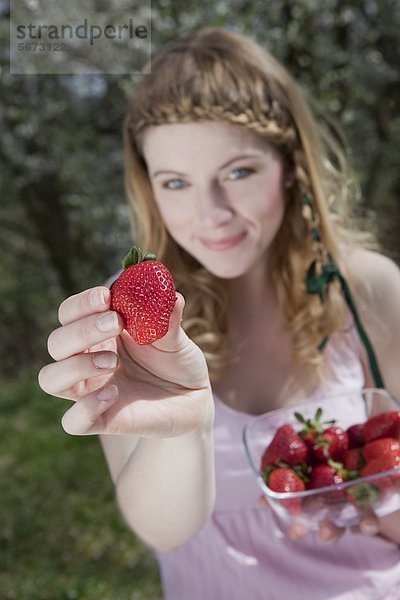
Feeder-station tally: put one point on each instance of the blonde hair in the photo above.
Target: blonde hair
(217, 74)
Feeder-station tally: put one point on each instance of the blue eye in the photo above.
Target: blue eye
(241, 170)
(168, 187)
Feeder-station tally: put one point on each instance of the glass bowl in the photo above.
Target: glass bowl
(342, 503)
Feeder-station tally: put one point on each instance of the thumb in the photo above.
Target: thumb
(175, 338)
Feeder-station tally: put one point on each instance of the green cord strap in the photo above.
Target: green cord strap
(318, 284)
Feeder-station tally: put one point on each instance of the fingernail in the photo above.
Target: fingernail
(97, 297)
(369, 528)
(105, 361)
(326, 536)
(297, 531)
(107, 393)
(107, 322)
(326, 533)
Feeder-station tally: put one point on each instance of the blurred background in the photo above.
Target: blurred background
(64, 225)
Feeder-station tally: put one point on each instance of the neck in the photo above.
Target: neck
(252, 297)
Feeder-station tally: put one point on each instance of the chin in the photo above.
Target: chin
(226, 272)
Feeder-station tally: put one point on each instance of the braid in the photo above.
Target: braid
(271, 126)
(300, 170)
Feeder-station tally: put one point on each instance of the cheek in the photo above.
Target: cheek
(175, 219)
(267, 205)
(273, 206)
(264, 194)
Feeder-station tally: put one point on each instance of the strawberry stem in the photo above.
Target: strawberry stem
(313, 425)
(345, 473)
(135, 256)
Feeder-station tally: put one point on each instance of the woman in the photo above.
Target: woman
(239, 193)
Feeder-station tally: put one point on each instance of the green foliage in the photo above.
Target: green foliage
(61, 535)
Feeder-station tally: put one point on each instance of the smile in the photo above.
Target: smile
(224, 243)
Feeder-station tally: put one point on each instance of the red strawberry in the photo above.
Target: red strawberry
(311, 427)
(353, 459)
(381, 447)
(286, 447)
(144, 295)
(386, 424)
(332, 473)
(324, 474)
(284, 479)
(331, 443)
(355, 435)
(320, 475)
(378, 465)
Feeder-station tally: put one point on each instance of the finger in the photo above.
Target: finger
(296, 531)
(329, 532)
(80, 335)
(85, 303)
(389, 526)
(175, 338)
(83, 415)
(60, 376)
(369, 523)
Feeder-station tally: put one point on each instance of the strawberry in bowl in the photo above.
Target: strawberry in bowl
(332, 463)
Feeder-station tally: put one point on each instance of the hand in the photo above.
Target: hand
(386, 527)
(330, 533)
(120, 387)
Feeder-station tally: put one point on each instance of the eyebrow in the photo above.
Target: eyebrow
(252, 155)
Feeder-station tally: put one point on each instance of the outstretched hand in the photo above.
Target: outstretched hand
(118, 386)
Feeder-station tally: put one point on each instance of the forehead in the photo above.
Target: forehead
(209, 137)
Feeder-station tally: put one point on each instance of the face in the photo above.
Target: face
(219, 190)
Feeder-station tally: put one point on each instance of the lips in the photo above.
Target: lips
(224, 243)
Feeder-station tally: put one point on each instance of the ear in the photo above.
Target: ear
(288, 172)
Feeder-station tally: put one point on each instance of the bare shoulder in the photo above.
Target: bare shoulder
(374, 277)
(374, 280)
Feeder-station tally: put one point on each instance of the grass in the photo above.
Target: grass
(61, 535)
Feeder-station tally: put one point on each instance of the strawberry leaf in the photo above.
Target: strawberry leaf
(300, 417)
(135, 256)
(364, 494)
(267, 472)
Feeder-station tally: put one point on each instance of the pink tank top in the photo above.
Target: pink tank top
(241, 553)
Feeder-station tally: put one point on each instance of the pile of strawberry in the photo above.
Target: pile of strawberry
(323, 454)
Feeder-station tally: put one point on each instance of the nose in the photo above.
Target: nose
(214, 208)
